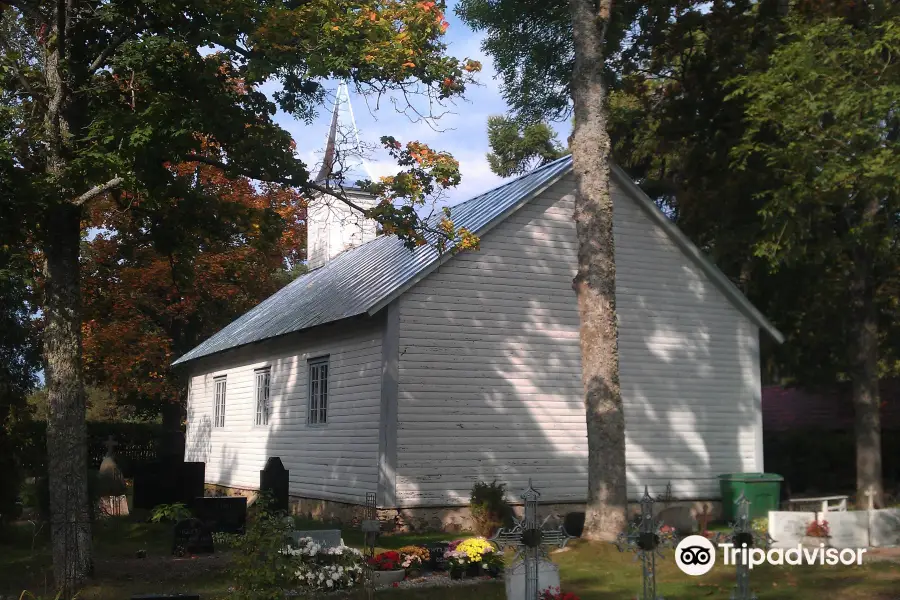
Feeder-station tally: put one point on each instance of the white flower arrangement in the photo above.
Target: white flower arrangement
(321, 568)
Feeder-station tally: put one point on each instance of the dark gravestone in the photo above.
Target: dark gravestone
(168, 483)
(436, 560)
(192, 478)
(274, 479)
(574, 523)
(224, 514)
(192, 536)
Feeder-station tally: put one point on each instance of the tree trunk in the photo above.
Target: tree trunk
(864, 377)
(66, 431)
(595, 282)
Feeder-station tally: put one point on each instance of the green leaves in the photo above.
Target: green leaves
(517, 148)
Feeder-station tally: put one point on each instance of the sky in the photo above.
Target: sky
(462, 132)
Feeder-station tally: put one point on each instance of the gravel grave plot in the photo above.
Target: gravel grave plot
(437, 579)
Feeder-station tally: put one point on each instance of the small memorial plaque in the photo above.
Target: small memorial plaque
(327, 538)
(371, 526)
(192, 536)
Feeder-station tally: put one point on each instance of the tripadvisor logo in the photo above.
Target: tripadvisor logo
(696, 555)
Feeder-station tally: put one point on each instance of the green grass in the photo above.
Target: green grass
(592, 571)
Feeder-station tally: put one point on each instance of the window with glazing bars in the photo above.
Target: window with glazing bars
(318, 391)
(220, 402)
(263, 377)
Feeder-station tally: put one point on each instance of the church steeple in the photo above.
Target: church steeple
(332, 226)
(343, 158)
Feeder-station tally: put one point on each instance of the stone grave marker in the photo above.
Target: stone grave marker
(884, 527)
(531, 572)
(192, 536)
(788, 528)
(224, 514)
(274, 480)
(191, 479)
(111, 484)
(848, 529)
(168, 483)
(327, 538)
(547, 577)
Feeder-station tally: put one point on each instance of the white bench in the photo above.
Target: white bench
(827, 503)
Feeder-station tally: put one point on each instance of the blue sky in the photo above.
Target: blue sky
(462, 132)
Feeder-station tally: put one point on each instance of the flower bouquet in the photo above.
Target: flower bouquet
(412, 558)
(478, 551)
(388, 567)
(457, 561)
(817, 533)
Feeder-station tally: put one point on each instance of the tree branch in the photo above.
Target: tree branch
(113, 46)
(97, 190)
(309, 185)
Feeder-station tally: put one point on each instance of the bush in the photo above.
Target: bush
(169, 512)
(266, 566)
(489, 508)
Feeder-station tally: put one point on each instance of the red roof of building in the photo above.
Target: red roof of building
(796, 408)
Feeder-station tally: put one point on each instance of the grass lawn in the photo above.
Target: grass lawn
(593, 571)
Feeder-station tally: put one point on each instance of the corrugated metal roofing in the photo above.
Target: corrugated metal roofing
(364, 279)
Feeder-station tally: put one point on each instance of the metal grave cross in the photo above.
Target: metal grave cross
(371, 527)
(646, 540)
(530, 540)
(744, 536)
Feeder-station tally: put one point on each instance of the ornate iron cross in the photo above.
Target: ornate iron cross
(646, 540)
(530, 540)
(742, 537)
(371, 527)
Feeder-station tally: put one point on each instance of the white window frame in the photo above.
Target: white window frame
(219, 400)
(317, 391)
(262, 409)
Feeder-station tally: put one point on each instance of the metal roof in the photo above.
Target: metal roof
(365, 279)
(360, 280)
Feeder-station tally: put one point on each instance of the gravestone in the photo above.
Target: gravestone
(884, 527)
(678, 517)
(514, 577)
(225, 514)
(274, 480)
(192, 536)
(787, 528)
(191, 479)
(436, 560)
(327, 538)
(848, 529)
(110, 482)
(168, 483)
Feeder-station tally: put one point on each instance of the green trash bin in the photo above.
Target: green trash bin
(763, 490)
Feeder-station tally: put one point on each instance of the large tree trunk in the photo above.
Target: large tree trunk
(595, 282)
(66, 431)
(864, 377)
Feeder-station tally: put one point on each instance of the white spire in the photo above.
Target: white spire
(343, 150)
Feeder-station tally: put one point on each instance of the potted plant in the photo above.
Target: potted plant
(387, 567)
(817, 533)
(477, 550)
(412, 559)
(457, 562)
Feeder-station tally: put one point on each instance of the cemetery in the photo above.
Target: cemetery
(217, 547)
